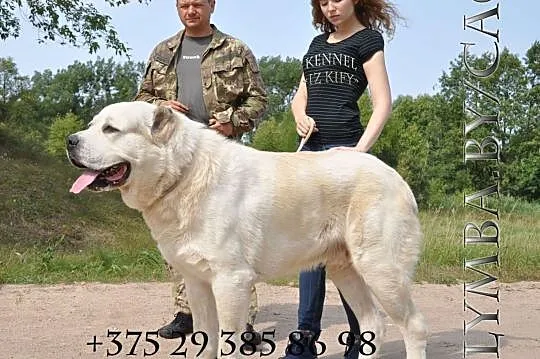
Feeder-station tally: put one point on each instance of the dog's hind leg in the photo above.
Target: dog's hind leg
(391, 288)
(383, 241)
(232, 291)
(358, 296)
(390, 283)
(203, 308)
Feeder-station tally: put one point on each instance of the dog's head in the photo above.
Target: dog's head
(125, 145)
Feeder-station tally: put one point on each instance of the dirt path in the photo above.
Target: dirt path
(46, 322)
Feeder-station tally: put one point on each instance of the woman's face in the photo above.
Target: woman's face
(338, 12)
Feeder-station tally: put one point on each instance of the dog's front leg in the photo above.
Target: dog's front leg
(203, 307)
(232, 292)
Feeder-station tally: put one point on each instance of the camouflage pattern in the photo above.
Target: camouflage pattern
(181, 302)
(233, 89)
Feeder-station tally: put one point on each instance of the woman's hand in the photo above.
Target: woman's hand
(303, 125)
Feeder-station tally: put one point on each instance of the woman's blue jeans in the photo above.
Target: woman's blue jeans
(312, 285)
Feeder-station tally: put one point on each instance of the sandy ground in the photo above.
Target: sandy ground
(57, 321)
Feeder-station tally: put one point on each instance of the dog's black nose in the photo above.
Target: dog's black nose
(72, 140)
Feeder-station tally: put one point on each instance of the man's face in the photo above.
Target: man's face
(195, 14)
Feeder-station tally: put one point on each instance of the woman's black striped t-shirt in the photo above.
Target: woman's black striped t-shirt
(335, 80)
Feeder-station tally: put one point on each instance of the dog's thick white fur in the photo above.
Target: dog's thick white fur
(226, 216)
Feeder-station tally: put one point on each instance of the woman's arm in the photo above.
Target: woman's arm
(379, 89)
(298, 107)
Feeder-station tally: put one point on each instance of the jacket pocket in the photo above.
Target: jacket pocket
(228, 79)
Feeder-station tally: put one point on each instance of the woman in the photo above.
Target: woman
(337, 68)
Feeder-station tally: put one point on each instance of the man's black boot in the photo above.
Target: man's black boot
(256, 338)
(181, 324)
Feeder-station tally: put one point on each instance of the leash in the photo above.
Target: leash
(304, 139)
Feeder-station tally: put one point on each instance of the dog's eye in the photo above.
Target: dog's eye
(110, 129)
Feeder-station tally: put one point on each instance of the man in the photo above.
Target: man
(213, 78)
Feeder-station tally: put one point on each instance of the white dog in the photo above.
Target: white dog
(226, 216)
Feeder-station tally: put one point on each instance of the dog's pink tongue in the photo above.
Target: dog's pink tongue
(83, 181)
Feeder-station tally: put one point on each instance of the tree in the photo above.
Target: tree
(85, 88)
(74, 22)
(515, 85)
(12, 85)
(521, 176)
(532, 60)
(425, 145)
(281, 79)
(32, 105)
(8, 72)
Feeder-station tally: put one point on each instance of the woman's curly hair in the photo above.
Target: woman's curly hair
(379, 15)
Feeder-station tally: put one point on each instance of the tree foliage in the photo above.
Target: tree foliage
(515, 86)
(59, 130)
(81, 88)
(74, 22)
(12, 84)
(281, 78)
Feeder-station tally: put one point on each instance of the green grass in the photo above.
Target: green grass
(443, 251)
(99, 265)
(48, 235)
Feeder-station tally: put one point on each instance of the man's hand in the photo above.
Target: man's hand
(226, 129)
(175, 105)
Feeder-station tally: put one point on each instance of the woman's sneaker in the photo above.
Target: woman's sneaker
(303, 346)
(353, 351)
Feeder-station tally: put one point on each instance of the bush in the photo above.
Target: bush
(277, 134)
(60, 128)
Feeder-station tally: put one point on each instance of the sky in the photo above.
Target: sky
(415, 57)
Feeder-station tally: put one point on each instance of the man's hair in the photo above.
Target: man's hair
(209, 1)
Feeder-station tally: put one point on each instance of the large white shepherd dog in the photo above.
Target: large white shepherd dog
(226, 216)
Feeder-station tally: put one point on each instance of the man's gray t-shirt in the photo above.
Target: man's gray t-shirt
(188, 71)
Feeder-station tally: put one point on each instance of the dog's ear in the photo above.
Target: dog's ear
(164, 124)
